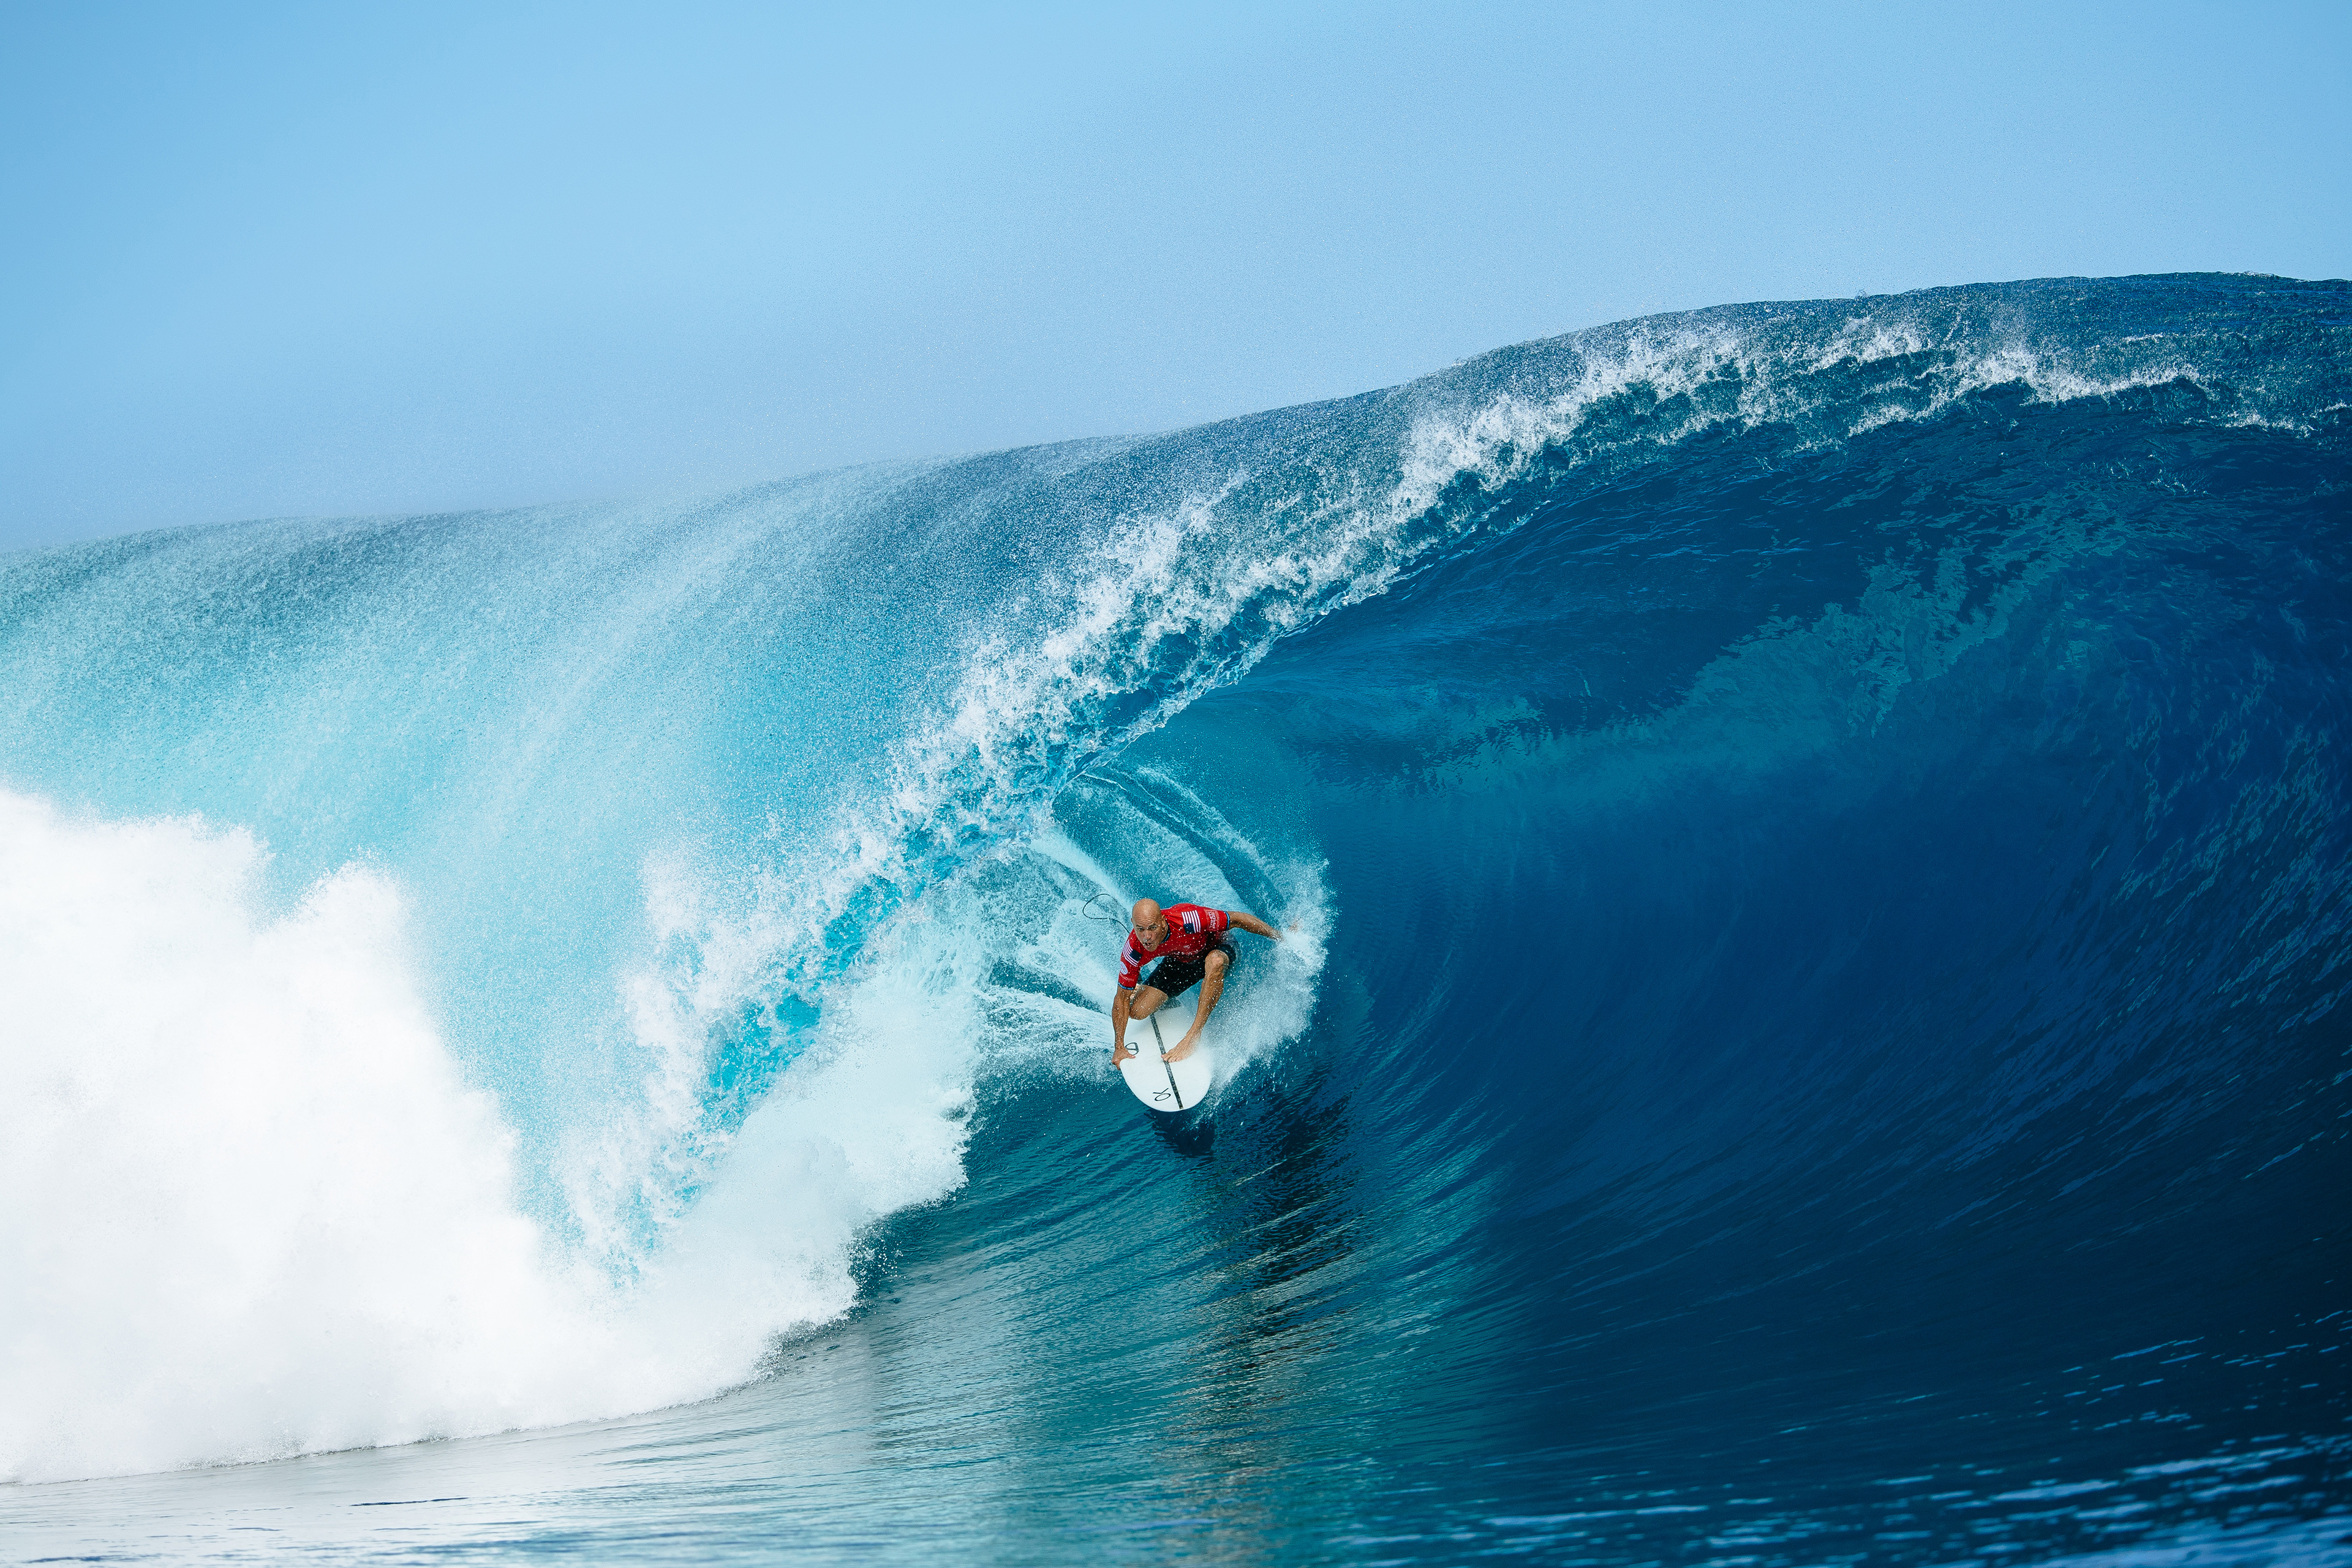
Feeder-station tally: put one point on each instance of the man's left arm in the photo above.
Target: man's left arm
(1252, 924)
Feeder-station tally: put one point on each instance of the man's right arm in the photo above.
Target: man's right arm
(1119, 1051)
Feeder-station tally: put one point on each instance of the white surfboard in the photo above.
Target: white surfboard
(1166, 1086)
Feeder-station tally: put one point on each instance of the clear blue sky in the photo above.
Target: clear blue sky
(262, 259)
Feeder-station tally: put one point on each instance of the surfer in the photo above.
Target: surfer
(1188, 941)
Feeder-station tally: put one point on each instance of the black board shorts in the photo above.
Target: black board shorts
(1172, 977)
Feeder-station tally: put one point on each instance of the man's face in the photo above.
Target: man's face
(1153, 932)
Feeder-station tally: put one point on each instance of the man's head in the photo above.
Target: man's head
(1149, 923)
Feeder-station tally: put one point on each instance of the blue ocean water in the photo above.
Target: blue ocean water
(1820, 846)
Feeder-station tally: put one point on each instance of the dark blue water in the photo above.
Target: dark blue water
(1820, 837)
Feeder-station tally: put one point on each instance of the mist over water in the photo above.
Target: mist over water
(1819, 841)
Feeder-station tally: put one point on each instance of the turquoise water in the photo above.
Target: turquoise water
(1818, 841)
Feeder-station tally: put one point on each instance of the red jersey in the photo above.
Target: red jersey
(1191, 930)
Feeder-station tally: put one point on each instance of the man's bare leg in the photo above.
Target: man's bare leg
(1213, 985)
(1146, 1000)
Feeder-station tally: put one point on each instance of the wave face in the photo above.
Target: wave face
(1820, 846)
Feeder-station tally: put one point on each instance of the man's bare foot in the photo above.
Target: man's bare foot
(1184, 1047)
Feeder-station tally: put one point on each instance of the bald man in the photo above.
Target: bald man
(1186, 944)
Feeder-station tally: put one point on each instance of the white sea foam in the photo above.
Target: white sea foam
(255, 1210)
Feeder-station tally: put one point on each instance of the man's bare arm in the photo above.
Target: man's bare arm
(1119, 1047)
(1253, 925)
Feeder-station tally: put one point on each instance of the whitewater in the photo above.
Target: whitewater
(1820, 837)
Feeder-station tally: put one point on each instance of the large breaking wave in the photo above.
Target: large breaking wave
(1819, 834)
